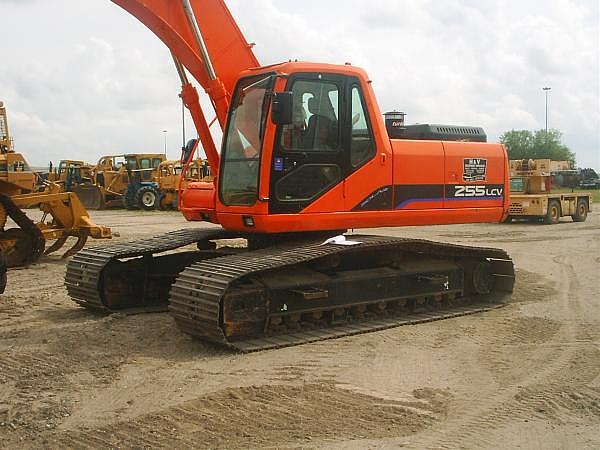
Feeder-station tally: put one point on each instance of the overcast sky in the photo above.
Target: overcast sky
(84, 78)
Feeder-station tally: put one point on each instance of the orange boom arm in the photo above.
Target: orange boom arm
(227, 48)
(207, 41)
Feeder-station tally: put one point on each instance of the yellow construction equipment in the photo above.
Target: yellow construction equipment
(63, 214)
(169, 180)
(112, 177)
(531, 195)
(70, 173)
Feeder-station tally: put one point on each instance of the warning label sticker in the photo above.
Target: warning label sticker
(475, 169)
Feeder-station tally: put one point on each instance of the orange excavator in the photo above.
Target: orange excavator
(306, 155)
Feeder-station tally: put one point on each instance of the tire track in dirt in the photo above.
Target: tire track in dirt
(17, 365)
(166, 410)
(18, 306)
(264, 416)
(541, 388)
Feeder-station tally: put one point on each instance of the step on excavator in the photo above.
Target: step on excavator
(63, 215)
(306, 155)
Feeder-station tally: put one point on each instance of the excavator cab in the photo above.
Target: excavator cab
(303, 140)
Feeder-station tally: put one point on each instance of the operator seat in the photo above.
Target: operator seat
(318, 129)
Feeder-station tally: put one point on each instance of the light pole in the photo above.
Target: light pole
(546, 90)
(165, 135)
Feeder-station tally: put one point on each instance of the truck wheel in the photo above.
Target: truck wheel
(146, 198)
(508, 219)
(581, 212)
(553, 213)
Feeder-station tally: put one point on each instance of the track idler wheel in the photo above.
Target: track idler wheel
(18, 248)
(478, 277)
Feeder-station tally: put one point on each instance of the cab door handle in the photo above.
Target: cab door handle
(382, 158)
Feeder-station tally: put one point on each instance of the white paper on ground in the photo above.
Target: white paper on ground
(340, 240)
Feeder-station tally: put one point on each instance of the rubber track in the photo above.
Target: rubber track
(38, 243)
(83, 278)
(196, 296)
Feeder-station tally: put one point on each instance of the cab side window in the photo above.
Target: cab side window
(315, 125)
(361, 142)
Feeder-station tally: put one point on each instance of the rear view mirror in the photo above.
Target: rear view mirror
(282, 108)
(188, 151)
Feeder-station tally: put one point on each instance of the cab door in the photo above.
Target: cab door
(309, 162)
(368, 185)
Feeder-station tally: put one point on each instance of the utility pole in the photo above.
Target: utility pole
(165, 135)
(546, 90)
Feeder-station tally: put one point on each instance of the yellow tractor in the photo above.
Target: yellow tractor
(112, 177)
(63, 215)
(70, 173)
(169, 179)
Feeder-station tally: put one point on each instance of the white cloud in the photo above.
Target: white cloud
(93, 80)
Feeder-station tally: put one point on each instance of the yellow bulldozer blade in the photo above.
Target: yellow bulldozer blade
(90, 195)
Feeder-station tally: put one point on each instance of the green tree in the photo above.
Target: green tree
(541, 144)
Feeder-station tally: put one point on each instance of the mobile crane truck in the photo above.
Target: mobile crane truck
(305, 156)
(531, 196)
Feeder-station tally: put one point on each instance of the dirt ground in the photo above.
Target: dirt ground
(527, 375)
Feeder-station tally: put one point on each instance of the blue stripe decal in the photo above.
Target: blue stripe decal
(495, 197)
(413, 200)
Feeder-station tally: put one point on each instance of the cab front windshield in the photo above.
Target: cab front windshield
(243, 142)
(131, 162)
